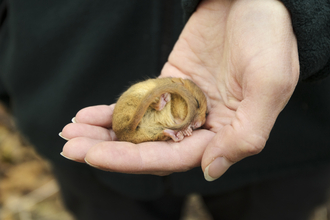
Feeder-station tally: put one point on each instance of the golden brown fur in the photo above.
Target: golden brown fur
(159, 109)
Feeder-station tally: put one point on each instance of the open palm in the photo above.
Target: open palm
(243, 55)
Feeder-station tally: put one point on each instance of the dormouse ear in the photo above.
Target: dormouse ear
(178, 80)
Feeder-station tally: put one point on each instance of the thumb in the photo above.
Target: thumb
(233, 143)
(246, 135)
(266, 91)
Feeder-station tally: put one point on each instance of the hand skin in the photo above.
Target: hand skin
(243, 54)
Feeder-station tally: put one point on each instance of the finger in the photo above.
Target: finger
(74, 130)
(77, 148)
(150, 157)
(100, 115)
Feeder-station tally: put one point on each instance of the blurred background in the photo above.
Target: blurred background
(28, 190)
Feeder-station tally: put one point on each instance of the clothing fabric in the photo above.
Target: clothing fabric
(293, 196)
(57, 57)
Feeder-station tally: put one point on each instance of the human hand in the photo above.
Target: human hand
(243, 55)
(91, 140)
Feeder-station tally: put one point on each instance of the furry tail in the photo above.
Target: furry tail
(170, 88)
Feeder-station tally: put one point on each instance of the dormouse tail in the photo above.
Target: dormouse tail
(167, 86)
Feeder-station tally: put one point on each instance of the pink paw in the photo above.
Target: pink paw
(187, 131)
(175, 135)
(178, 135)
(163, 100)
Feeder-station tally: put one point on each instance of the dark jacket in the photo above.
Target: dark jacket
(57, 57)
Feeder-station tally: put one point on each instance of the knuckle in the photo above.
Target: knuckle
(252, 145)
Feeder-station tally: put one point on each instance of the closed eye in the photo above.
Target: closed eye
(197, 103)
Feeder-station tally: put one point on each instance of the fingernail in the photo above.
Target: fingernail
(69, 158)
(216, 168)
(60, 134)
(92, 165)
(97, 167)
(66, 157)
(73, 120)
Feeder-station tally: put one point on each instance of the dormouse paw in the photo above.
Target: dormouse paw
(160, 102)
(187, 131)
(175, 135)
(197, 124)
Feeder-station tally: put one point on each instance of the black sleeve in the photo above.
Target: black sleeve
(311, 24)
